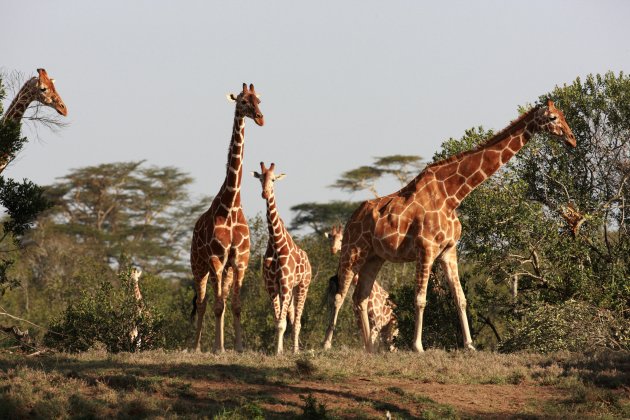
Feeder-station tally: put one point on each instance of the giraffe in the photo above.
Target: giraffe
(419, 222)
(40, 89)
(381, 315)
(286, 268)
(133, 334)
(220, 242)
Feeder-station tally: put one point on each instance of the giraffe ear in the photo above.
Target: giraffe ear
(255, 174)
(326, 234)
(279, 177)
(231, 97)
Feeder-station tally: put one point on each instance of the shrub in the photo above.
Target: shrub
(107, 315)
(572, 325)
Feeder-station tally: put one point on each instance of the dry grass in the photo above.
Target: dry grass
(348, 382)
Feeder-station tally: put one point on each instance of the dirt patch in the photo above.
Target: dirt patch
(373, 397)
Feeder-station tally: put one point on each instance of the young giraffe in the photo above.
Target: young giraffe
(40, 89)
(381, 315)
(220, 243)
(419, 222)
(286, 268)
(133, 334)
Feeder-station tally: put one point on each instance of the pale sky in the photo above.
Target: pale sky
(341, 81)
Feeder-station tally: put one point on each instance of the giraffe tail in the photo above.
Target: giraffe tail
(331, 291)
(194, 309)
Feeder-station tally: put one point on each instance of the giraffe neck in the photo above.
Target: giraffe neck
(277, 233)
(464, 172)
(21, 102)
(136, 290)
(231, 190)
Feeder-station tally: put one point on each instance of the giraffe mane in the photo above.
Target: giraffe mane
(500, 135)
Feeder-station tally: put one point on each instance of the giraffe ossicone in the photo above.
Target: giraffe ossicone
(419, 222)
(286, 268)
(219, 251)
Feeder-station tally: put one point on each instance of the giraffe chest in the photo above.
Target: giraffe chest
(286, 265)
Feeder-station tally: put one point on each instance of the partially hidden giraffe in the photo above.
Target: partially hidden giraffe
(41, 89)
(220, 243)
(383, 321)
(133, 334)
(419, 222)
(286, 268)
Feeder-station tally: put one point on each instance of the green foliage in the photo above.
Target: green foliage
(573, 325)
(23, 203)
(108, 315)
(312, 410)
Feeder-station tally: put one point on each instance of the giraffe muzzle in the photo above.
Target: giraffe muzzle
(259, 119)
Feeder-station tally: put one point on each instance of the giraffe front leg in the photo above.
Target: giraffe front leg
(361, 295)
(338, 286)
(281, 325)
(236, 309)
(449, 264)
(423, 271)
(216, 277)
(300, 300)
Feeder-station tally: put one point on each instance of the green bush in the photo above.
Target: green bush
(107, 316)
(573, 325)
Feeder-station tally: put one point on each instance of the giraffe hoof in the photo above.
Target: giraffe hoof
(470, 347)
(327, 345)
(418, 349)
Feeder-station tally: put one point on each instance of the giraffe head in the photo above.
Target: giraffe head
(135, 274)
(334, 236)
(46, 93)
(247, 104)
(267, 178)
(551, 120)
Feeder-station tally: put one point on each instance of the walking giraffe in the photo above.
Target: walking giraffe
(383, 321)
(40, 89)
(419, 222)
(286, 268)
(220, 243)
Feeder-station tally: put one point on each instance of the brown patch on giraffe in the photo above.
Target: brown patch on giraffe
(506, 154)
(491, 161)
(470, 164)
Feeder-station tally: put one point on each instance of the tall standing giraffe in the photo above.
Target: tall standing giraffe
(220, 243)
(383, 321)
(286, 268)
(419, 222)
(40, 89)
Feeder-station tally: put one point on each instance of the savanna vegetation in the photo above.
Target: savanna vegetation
(544, 262)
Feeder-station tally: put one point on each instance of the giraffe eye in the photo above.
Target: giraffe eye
(43, 88)
(243, 102)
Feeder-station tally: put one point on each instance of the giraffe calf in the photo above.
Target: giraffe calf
(136, 341)
(286, 268)
(381, 314)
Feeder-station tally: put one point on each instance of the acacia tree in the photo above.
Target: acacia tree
(402, 167)
(131, 212)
